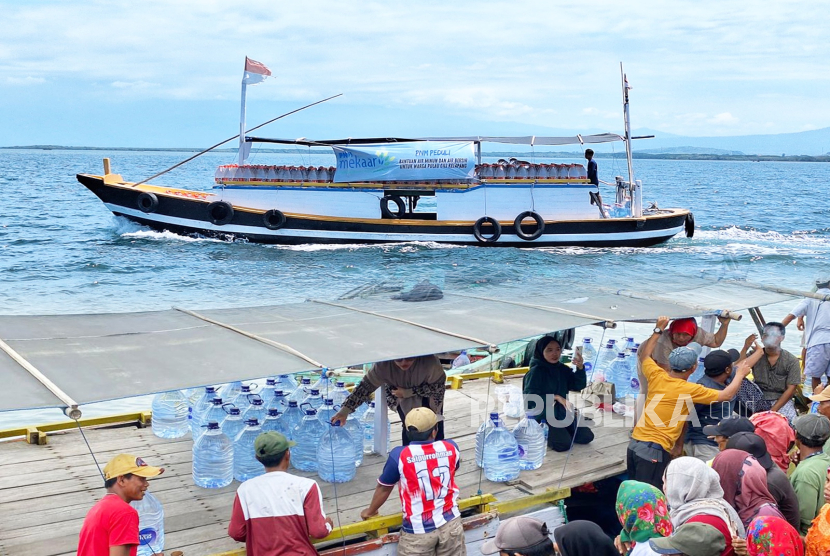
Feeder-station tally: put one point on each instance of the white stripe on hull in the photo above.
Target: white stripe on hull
(389, 237)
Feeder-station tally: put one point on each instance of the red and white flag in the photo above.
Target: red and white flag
(255, 72)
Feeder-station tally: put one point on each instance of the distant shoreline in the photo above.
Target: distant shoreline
(547, 154)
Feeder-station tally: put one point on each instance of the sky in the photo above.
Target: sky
(167, 74)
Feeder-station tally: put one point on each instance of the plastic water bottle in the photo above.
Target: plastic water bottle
(243, 400)
(368, 422)
(616, 346)
(629, 343)
(267, 391)
(634, 385)
(170, 413)
(326, 411)
(233, 423)
(271, 422)
(286, 383)
(213, 458)
(290, 419)
(324, 384)
(256, 410)
(481, 434)
(361, 410)
(307, 436)
(356, 430)
(698, 371)
(200, 408)
(314, 399)
(150, 525)
(605, 357)
(231, 390)
(339, 393)
(278, 401)
(215, 413)
(620, 374)
(500, 455)
(589, 353)
(245, 464)
(531, 439)
(301, 391)
(335, 455)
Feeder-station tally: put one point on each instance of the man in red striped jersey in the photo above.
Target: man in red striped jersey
(429, 496)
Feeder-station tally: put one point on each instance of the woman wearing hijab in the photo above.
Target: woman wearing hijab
(694, 495)
(410, 382)
(582, 538)
(643, 513)
(768, 535)
(744, 483)
(777, 434)
(548, 376)
(818, 537)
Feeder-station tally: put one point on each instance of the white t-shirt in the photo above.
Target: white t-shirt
(817, 315)
(642, 549)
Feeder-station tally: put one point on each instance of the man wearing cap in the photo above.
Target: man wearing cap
(429, 496)
(810, 475)
(822, 397)
(816, 331)
(777, 373)
(723, 431)
(520, 536)
(111, 526)
(275, 514)
(699, 539)
(658, 435)
(717, 375)
(777, 481)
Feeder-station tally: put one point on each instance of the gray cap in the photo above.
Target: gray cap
(683, 358)
(516, 534)
(823, 280)
(812, 426)
(699, 539)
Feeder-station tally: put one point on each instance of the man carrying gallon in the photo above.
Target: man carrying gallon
(429, 496)
(275, 514)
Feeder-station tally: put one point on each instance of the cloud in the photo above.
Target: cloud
(133, 84)
(28, 80)
(724, 118)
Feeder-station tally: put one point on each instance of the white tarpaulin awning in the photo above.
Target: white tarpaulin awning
(98, 357)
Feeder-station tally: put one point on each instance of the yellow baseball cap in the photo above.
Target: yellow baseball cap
(422, 418)
(124, 464)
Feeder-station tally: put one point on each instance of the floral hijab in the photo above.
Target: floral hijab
(642, 511)
(773, 536)
(818, 537)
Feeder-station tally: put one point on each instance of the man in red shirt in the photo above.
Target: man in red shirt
(111, 527)
(275, 514)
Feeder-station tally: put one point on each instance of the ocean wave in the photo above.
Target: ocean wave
(403, 247)
(153, 235)
(812, 238)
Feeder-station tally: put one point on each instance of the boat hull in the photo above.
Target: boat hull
(186, 212)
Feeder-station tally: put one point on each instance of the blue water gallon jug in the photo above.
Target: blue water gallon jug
(589, 352)
(243, 400)
(291, 419)
(307, 436)
(213, 458)
(299, 394)
(256, 409)
(619, 373)
(530, 436)
(200, 408)
(233, 423)
(271, 422)
(230, 391)
(245, 464)
(286, 383)
(267, 391)
(481, 434)
(150, 525)
(170, 414)
(215, 413)
(324, 384)
(501, 455)
(339, 393)
(314, 399)
(336, 455)
(327, 411)
(278, 401)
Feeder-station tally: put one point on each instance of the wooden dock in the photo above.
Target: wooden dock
(45, 491)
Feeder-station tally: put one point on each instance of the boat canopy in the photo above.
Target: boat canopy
(66, 360)
(531, 140)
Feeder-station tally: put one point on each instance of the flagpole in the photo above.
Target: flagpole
(242, 154)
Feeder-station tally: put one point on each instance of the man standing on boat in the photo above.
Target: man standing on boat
(593, 174)
(816, 332)
(429, 496)
(276, 513)
(111, 526)
(409, 383)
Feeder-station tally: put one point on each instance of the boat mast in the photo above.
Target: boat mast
(243, 147)
(633, 188)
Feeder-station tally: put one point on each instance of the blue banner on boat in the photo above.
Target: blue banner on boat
(413, 161)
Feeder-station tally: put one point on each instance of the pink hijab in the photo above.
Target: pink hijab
(777, 433)
(744, 483)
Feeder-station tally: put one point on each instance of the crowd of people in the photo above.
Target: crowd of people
(753, 479)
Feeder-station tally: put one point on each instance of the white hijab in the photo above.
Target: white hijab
(693, 488)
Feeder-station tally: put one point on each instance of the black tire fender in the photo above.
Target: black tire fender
(147, 202)
(481, 222)
(399, 204)
(690, 225)
(273, 219)
(540, 225)
(220, 212)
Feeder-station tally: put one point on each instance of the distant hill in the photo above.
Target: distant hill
(689, 150)
(815, 142)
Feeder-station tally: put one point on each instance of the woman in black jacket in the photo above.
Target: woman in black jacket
(551, 380)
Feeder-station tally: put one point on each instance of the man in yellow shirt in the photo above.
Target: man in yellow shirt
(658, 435)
